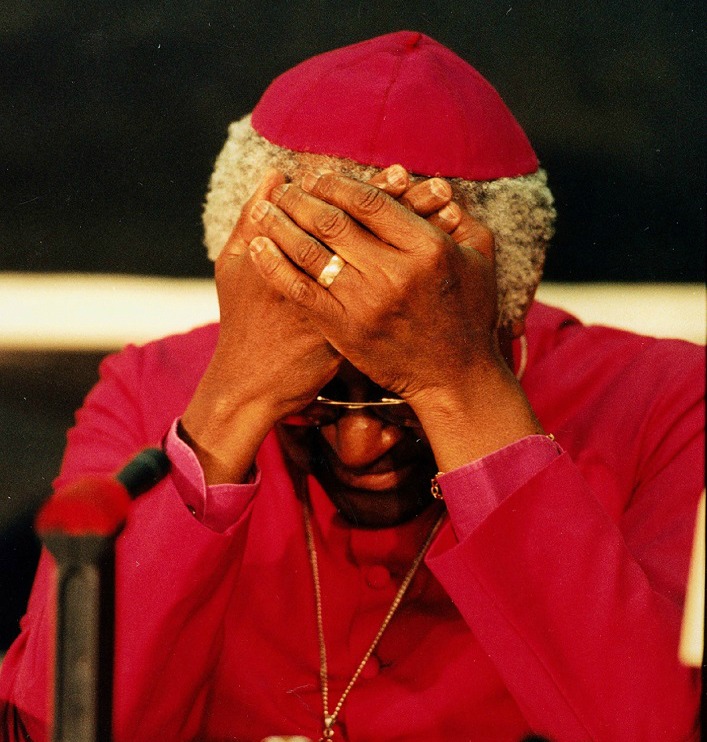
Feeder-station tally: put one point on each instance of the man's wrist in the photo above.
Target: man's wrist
(476, 415)
(225, 434)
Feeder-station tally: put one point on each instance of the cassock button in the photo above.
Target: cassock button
(192, 510)
(378, 577)
(371, 668)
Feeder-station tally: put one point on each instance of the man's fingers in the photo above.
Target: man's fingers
(329, 224)
(300, 247)
(376, 210)
(471, 233)
(394, 180)
(431, 198)
(245, 228)
(427, 196)
(424, 198)
(274, 266)
(448, 218)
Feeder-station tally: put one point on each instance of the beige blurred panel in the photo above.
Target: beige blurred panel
(103, 312)
(692, 637)
(658, 309)
(98, 312)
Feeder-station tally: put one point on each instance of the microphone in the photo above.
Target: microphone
(79, 525)
(99, 505)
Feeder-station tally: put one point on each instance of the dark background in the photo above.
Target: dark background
(112, 115)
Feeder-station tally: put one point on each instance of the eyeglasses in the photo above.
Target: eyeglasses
(324, 411)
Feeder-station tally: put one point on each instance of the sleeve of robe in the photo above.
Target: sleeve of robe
(172, 577)
(576, 593)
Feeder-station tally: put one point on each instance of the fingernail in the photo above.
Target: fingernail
(396, 175)
(309, 181)
(278, 192)
(259, 210)
(257, 244)
(440, 188)
(449, 212)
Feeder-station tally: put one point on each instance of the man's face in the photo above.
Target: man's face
(376, 473)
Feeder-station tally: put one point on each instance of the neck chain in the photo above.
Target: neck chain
(331, 718)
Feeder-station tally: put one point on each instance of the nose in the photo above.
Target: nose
(359, 439)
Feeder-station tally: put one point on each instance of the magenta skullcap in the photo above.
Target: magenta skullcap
(399, 98)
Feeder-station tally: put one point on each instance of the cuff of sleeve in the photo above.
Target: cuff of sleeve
(473, 491)
(218, 506)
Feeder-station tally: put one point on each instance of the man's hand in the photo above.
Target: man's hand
(411, 309)
(414, 308)
(285, 358)
(270, 360)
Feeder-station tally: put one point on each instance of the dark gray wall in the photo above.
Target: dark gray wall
(113, 114)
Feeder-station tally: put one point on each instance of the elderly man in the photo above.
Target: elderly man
(404, 503)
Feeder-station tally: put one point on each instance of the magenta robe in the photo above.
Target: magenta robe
(550, 601)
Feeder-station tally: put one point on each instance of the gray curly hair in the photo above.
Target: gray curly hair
(519, 211)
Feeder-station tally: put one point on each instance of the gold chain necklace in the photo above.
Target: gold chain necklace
(331, 718)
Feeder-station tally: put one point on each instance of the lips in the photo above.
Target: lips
(376, 479)
(386, 473)
(398, 469)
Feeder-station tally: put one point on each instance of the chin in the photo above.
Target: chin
(372, 510)
(363, 507)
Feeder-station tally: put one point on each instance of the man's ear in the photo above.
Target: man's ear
(517, 329)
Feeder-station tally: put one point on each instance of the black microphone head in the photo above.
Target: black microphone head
(144, 471)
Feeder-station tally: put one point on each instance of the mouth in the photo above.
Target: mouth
(376, 479)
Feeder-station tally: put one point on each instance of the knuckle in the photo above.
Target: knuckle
(434, 259)
(437, 245)
(308, 254)
(399, 284)
(371, 200)
(286, 197)
(326, 184)
(270, 268)
(300, 291)
(330, 223)
(282, 192)
(224, 262)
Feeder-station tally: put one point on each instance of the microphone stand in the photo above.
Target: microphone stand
(79, 525)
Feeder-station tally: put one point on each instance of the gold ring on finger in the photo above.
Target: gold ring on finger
(330, 271)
